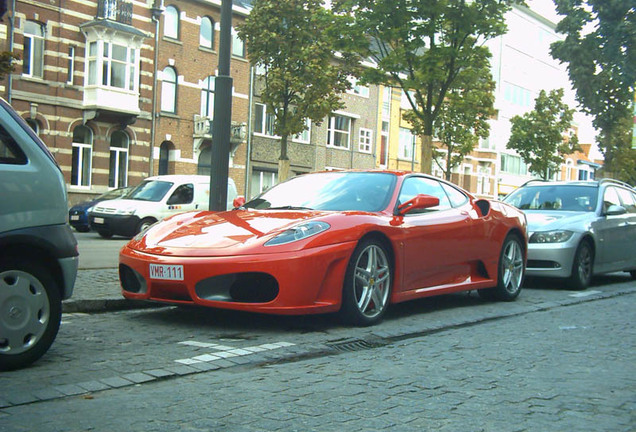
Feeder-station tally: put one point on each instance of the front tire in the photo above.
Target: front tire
(582, 268)
(30, 314)
(511, 270)
(367, 284)
(105, 234)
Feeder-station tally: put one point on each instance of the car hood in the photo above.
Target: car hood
(85, 205)
(224, 233)
(552, 220)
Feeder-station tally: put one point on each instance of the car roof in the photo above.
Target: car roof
(590, 183)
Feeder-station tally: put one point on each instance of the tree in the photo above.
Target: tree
(464, 115)
(296, 43)
(538, 135)
(426, 47)
(600, 50)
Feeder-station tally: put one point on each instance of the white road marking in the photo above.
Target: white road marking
(224, 351)
(585, 294)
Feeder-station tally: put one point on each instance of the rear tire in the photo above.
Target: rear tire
(105, 234)
(582, 268)
(30, 313)
(367, 284)
(511, 270)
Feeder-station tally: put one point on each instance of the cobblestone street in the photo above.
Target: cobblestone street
(568, 368)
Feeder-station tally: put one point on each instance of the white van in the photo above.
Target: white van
(154, 199)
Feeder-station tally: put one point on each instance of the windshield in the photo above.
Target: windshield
(559, 197)
(114, 194)
(335, 191)
(150, 190)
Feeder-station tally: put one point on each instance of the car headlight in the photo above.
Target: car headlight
(125, 212)
(299, 232)
(558, 236)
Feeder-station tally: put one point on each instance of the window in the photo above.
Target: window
(118, 169)
(33, 57)
(171, 22)
(34, 125)
(339, 131)
(404, 101)
(70, 65)
(406, 144)
(206, 33)
(264, 120)
(112, 65)
(238, 47)
(513, 165)
(10, 152)
(384, 144)
(184, 194)
(357, 88)
(305, 135)
(365, 140)
(419, 185)
(263, 180)
(483, 180)
(169, 90)
(628, 199)
(207, 97)
(386, 103)
(82, 156)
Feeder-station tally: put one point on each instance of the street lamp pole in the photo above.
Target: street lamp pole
(222, 120)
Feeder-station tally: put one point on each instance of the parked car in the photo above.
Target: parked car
(350, 241)
(78, 214)
(38, 252)
(151, 201)
(578, 229)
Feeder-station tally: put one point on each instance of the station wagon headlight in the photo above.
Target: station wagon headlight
(558, 236)
(299, 232)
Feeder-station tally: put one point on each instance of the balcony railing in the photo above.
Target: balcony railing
(116, 10)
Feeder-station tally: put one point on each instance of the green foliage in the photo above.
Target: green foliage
(6, 63)
(464, 116)
(426, 47)
(538, 135)
(600, 50)
(295, 42)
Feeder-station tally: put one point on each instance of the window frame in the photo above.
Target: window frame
(202, 36)
(172, 108)
(171, 22)
(208, 92)
(116, 179)
(332, 132)
(238, 46)
(82, 149)
(406, 150)
(365, 140)
(33, 50)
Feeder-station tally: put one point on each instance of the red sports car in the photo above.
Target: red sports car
(349, 242)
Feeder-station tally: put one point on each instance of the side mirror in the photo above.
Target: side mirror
(615, 210)
(418, 202)
(238, 201)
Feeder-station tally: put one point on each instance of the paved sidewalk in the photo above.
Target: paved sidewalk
(99, 291)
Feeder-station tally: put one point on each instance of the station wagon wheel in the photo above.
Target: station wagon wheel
(367, 284)
(582, 267)
(510, 271)
(30, 314)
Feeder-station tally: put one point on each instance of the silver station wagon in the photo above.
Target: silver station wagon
(578, 229)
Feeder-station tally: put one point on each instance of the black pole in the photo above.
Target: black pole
(222, 121)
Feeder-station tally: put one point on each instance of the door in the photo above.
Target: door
(180, 200)
(434, 239)
(611, 231)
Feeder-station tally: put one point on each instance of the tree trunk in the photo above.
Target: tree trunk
(283, 161)
(426, 155)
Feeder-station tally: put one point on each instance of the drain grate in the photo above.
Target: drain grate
(355, 345)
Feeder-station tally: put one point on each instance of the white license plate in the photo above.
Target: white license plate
(98, 220)
(75, 217)
(166, 272)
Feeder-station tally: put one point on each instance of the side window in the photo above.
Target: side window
(610, 198)
(184, 194)
(628, 199)
(419, 185)
(456, 197)
(10, 152)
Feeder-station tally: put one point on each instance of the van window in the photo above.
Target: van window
(182, 195)
(150, 190)
(10, 153)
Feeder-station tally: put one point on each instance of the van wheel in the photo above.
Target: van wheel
(105, 234)
(145, 224)
(30, 313)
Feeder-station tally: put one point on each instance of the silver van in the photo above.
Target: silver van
(38, 252)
